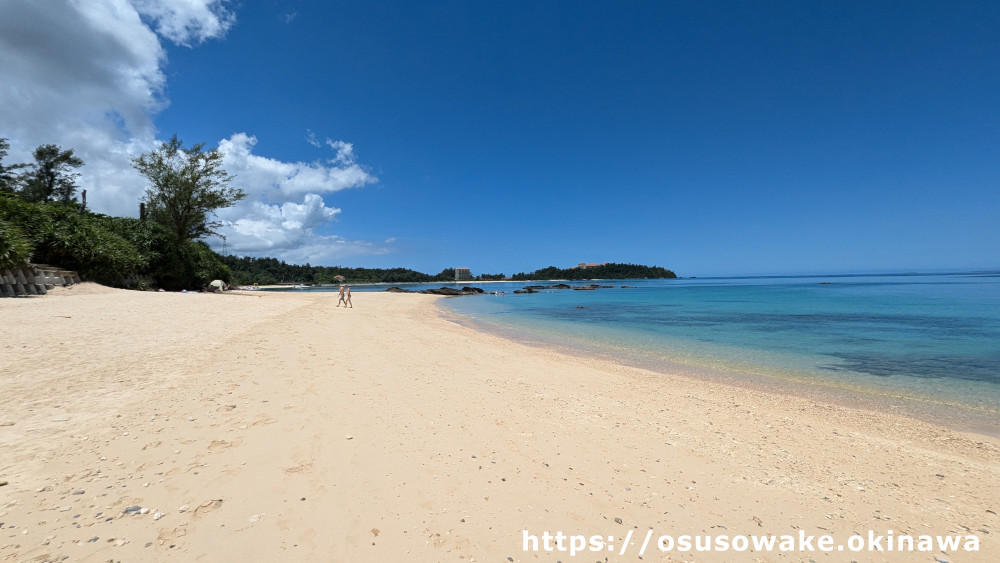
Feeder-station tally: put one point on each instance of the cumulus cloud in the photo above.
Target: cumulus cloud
(288, 230)
(282, 181)
(285, 205)
(259, 226)
(88, 75)
(83, 75)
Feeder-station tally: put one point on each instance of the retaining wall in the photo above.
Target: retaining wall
(34, 279)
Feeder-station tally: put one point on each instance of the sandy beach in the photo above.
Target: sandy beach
(278, 427)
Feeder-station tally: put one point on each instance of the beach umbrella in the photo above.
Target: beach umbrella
(339, 277)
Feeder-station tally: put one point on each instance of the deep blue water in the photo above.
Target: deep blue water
(928, 343)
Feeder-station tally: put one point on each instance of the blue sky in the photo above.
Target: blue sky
(711, 138)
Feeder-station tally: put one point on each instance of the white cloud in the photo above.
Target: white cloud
(282, 181)
(312, 140)
(258, 226)
(271, 221)
(345, 152)
(88, 75)
(84, 75)
(184, 20)
(288, 230)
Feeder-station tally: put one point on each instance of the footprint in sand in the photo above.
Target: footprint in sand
(262, 420)
(206, 507)
(170, 535)
(176, 471)
(301, 468)
(217, 445)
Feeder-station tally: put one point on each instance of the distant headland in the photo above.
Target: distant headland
(270, 271)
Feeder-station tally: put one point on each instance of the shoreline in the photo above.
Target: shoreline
(959, 417)
(277, 426)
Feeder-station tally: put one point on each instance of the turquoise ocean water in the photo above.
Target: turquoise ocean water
(922, 345)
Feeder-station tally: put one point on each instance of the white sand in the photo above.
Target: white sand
(292, 430)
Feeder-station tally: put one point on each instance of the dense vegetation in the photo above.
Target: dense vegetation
(604, 272)
(41, 221)
(115, 251)
(269, 271)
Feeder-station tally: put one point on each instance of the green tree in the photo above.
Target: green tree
(610, 271)
(51, 176)
(187, 186)
(8, 180)
(188, 264)
(447, 274)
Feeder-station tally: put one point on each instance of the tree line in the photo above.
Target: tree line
(270, 271)
(610, 271)
(41, 220)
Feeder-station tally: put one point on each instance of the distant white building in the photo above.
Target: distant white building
(585, 265)
(463, 274)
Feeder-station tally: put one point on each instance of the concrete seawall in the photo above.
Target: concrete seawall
(35, 279)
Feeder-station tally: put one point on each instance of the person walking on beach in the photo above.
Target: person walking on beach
(348, 294)
(341, 297)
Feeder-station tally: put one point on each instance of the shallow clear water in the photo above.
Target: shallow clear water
(928, 344)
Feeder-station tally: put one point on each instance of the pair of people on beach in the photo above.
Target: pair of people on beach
(345, 297)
